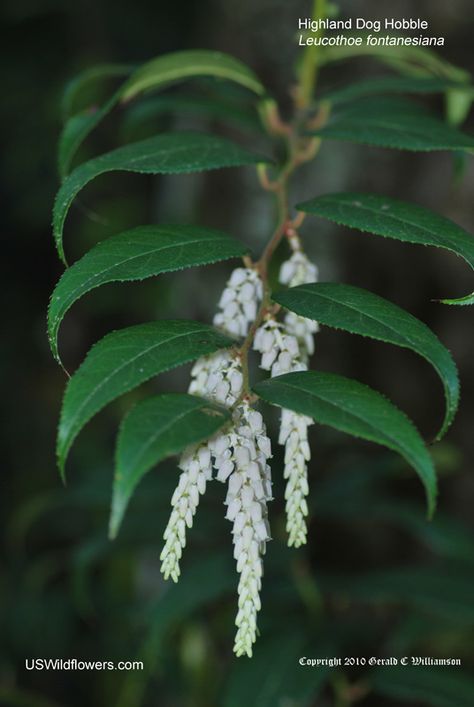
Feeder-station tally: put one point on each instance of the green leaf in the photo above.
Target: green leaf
(395, 219)
(158, 73)
(389, 85)
(89, 77)
(168, 153)
(361, 312)
(402, 125)
(153, 430)
(458, 104)
(121, 361)
(179, 66)
(230, 112)
(435, 686)
(274, 676)
(76, 129)
(136, 254)
(405, 59)
(350, 406)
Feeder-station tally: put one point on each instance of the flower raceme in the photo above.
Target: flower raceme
(241, 461)
(238, 456)
(281, 354)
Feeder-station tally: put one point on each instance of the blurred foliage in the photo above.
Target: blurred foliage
(376, 579)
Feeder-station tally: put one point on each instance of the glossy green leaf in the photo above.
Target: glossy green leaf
(153, 430)
(136, 254)
(179, 66)
(350, 406)
(424, 685)
(389, 85)
(168, 153)
(121, 361)
(402, 125)
(395, 219)
(361, 312)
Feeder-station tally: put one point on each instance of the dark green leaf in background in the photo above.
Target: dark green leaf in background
(77, 128)
(158, 73)
(350, 406)
(434, 686)
(391, 85)
(155, 429)
(213, 108)
(168, 153)
(90, 77)
(391, 218)
(430, 590)
(121, 361)
(360, 312)
(274, 677)
(135, 255)
(393, 123)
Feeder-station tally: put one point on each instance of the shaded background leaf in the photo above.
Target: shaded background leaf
(394, 123)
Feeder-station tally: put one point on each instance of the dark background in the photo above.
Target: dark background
(375, 578)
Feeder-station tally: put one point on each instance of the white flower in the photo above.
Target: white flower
(280, 351)
(196, 471)
(217, 377)
(303, 329)
(294, 435)
(281, 354)
(239, 301)
(298, 270)
(241, 460)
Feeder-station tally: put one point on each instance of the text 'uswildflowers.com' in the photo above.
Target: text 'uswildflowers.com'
(75, 664)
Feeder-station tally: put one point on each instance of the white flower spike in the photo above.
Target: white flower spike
(239, 301)
(196, 471)
(298, 270)
(241, 461)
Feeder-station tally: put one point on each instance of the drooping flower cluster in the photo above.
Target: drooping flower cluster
(239, 454)
(281, 354)
(298, 270)
(294, 436)
(241, 460)
(196, 468)
(218, 378)
(286, 347)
